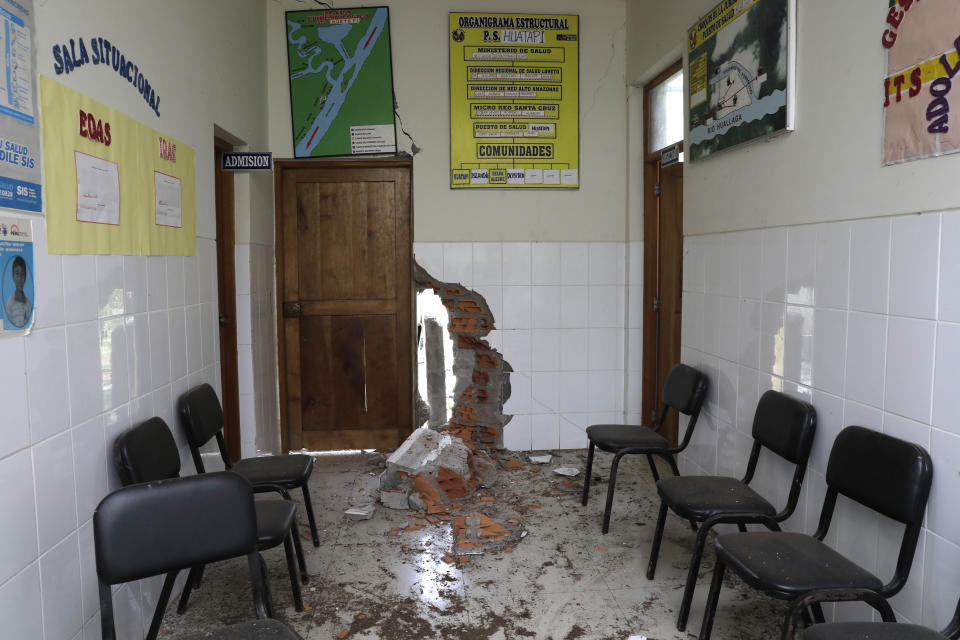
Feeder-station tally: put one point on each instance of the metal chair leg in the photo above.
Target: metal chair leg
(292, 569)
(586, 478)
(653, 468)
(657, 538)
(693, 572)
(162, 601)
(309, 507)
(187, 587)
(711, 607)
(611, 487)
(298, 548)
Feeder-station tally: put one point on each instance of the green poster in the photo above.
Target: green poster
(341, 82)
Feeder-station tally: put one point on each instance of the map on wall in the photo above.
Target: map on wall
(341, 82)
(923, 55)
(740, 74)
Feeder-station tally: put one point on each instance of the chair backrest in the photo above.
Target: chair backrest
(146, 453)
(785, 425)
(147, 529)
(202, 418)
(685, 389)
(886, 474)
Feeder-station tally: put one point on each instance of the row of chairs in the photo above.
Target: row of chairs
(883, 473)
(162, 524)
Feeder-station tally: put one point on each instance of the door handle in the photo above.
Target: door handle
(224, 321)
(291, 309)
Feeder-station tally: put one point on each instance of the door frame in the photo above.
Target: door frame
(650, 383)
(227, 300)
(279, 166)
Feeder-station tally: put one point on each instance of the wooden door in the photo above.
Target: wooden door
(346, 306)
(227, 301)
(662, 285)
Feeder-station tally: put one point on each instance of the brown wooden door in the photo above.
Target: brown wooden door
(345, 289)
(227, 301)
(663, 284)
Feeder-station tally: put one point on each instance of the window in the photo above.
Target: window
(666, 113)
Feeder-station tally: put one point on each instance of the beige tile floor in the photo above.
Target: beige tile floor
(562, 581)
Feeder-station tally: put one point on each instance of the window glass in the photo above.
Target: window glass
(666, 113)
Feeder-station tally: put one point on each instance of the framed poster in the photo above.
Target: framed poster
(16, 274)
(740, 70)
(341, 82)
(923, 56)
(514, 101)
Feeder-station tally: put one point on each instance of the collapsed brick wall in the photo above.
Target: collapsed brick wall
(483, 380)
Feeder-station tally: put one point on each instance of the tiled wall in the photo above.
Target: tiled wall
(560, 311)
(257, 349)
(862, 319)
(117, 339)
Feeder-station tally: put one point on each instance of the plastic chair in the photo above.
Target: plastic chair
(144, 530)
(203, 420)
(147, 452)
(886, 474)
(684, 390)
(862, 630)
(782, 424)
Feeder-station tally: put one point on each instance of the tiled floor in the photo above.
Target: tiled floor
(562, 580)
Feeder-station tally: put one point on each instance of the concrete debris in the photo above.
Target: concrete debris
(637, 638)
(360, 513)
(415, 503)
(540, 459)
(566, 471)
(395, 499)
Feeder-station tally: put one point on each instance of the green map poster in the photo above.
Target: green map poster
(341, 82)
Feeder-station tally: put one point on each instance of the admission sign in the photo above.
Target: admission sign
(514, 101)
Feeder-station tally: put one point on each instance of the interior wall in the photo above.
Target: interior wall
(595, 212)
(118, 338)
(855, 313)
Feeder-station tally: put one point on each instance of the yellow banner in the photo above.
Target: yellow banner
(113, 185)
(514, 81)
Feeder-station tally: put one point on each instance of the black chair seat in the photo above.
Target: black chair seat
(701, 497)
(870, 631)
(283, 470)
(268, 629)
(614, 437)
(274, 521)
(791, 563)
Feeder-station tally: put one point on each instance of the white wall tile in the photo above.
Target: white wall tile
(575, 263)
(90, 461)
(909, 375)
(941, 575)
(79, 288)
(545, 350)
(749, 333)
(458, 263)
(751, 264)
(138, 353)
(694, 261)
(603, 263)
(115, 367)
(833, 265)
(773, 252)
(20, 604)
(157, 282)
(723, 266)
(605, 391)
(519, 400)
(946, 379)
(209, 337)
(159, 348)
(575, 354)
(487, 263)
(191, 284)
(56, 492)
(829, 424)
(15, 433)
(943, 517)
(110, 289)
(545, 307)
(517, 306)
(691, 320)
(772, 323)
(517, 434)
(545, 390)
(545, 263)
(866, 348)
(728, 378)
(517, 261)
(869, 264)
(48, 307)
(914, 260)
(748, 394)
(545, 431)
(60, 582)
(18, 527)
(605, 349)
(516, 348)
(572, 435)
(798, 344)
(801, 264)
(574, 391)
(829, 349)
(84, 366)
(728, 326)
(429, 255)
(574, 306)
(949, 298)
(241, 266)
(605, 306)
(47, 386)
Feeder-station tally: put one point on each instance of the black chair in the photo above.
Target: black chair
(886, 474)
(148, 529)
(684, 390)
(782, 424)
(147, 452)
(863, 630)
(203, 420)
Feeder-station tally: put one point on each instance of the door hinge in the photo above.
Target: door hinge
(656, 305)
(656, 189)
